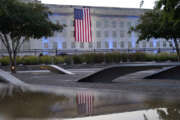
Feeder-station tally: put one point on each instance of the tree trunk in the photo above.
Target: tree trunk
(13, 64)
(177, 49)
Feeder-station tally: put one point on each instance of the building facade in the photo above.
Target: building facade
(110, 28)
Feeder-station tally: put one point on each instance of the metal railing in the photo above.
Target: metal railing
(52, 52)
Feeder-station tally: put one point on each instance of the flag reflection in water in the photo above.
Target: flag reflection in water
(85, 103)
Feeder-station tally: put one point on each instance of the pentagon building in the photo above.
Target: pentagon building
(109, 28)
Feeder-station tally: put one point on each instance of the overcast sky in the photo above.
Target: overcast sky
(106, 3)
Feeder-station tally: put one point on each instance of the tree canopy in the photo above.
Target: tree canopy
(23, 21)
(161, 22)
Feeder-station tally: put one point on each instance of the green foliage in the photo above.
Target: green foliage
(21, 22)
(150, 57)
(5, 61)
(137, 56)
(18, 60)
(68, 59)
(91, 58)
(161, 22)
(165, 57)
(59, 60)
(124, 57)
(77, 59)
(46, 59)
(30, 60)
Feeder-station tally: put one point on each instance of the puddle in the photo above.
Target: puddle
(85, 105)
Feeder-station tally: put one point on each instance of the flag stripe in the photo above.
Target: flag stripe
(82, 25)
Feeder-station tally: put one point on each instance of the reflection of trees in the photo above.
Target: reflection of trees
(171, 111)
(29, 104)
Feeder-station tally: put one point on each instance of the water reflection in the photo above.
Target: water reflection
(82, 103)
(85, 103)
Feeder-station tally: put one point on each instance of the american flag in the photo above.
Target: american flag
(85, 103)
(82, 25)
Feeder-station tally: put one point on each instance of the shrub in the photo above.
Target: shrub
(77, 59)
(116, 57)
(137, 56)
(68, 59)
(150, 57)
(162, 57)
(173, 57)
(59, 60)
(45, 59)
(124, 57)
(30, 60)
(108, 58)
(5, 61)
(19, 60)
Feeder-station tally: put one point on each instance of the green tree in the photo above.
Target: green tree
(20, 22)
(161, 22)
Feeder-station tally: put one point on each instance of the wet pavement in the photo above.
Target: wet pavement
(132, 82)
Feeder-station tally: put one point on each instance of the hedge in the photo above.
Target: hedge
(92, 58)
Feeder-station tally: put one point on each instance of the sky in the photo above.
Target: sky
(105, 3)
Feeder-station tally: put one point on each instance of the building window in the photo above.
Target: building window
(81, 45)
(121, 24)
(122, 34)
(151, 44)
(137, 45)
(128, 24)
(55, 45)
(129, 44)
(164, 44)
(63, 21)
(121, 44)
(144, 44)
(98, 34)
(98, 44)
(106, 34)
(64, 33)
(90, 45)
(114, 44)
(114, 34)
(46, 45)
(72, 33)
(128, 34)
(158, 44)
(114, 24)
(106, 44)
(98, 24)
(106, 24)
(73, 45)
(26, 45)
(64, 45)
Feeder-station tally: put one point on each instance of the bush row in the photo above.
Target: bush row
(91, 58)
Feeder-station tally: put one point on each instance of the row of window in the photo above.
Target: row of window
(103, 24)
(104, 34)
(113, 24)
(113, 34)
(114, 44)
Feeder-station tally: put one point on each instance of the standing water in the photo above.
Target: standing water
(84, 104)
